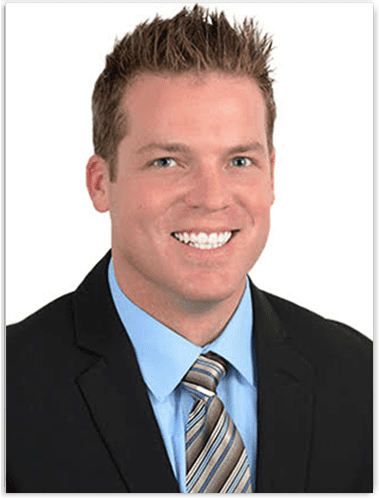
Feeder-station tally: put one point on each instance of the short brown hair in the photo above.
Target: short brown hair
(192, 41)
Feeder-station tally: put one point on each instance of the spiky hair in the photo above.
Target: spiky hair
(193, 41)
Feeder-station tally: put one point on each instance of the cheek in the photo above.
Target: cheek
(131, 199)
(266, 190)
(142, 207)
(149, 204)
(269, 197)
(258, 197)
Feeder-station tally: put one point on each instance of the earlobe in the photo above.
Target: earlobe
(97, 178)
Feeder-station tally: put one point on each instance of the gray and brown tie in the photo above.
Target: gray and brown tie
(215, 454)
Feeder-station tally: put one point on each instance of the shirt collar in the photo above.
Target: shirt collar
(164, 356)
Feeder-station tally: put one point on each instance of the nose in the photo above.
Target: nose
(209, 189)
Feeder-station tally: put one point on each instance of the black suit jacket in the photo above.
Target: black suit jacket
(79, 417)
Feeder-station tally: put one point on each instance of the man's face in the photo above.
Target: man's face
(190, 207)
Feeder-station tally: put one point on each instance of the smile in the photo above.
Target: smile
(204, 241)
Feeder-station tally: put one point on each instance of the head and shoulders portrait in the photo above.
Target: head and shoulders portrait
(223, 341)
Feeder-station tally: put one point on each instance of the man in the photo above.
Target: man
(167, 370)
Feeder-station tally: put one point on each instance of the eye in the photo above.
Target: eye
(164, 162)
(241, 161)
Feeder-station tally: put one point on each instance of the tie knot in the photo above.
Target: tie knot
(204, 375)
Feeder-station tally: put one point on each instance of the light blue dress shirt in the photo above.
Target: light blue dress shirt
(164, 358)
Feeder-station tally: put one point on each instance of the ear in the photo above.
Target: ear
(97, 177)
(272, 170)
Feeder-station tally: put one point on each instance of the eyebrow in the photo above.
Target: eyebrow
(178, 147)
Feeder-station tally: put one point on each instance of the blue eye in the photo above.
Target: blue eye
(241, 162)
(164, 162)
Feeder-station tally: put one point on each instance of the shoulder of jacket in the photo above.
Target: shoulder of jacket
(51, 317)
(305, 326)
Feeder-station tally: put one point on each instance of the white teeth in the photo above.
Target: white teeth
(203, 240)
(213, 238)
(193, 238)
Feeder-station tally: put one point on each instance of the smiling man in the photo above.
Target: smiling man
(167, 370)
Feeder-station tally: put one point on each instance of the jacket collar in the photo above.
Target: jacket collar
(285, 403)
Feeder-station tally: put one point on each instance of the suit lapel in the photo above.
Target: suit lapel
(285, 400)
(115, 393)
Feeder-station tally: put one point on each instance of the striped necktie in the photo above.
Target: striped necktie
(215, 454)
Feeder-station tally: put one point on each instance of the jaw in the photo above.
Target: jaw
(204, 291)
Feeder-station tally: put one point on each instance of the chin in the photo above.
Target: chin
(212, 289)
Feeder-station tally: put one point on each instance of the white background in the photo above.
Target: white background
(320, 249)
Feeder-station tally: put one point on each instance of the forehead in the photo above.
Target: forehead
(209, 104)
